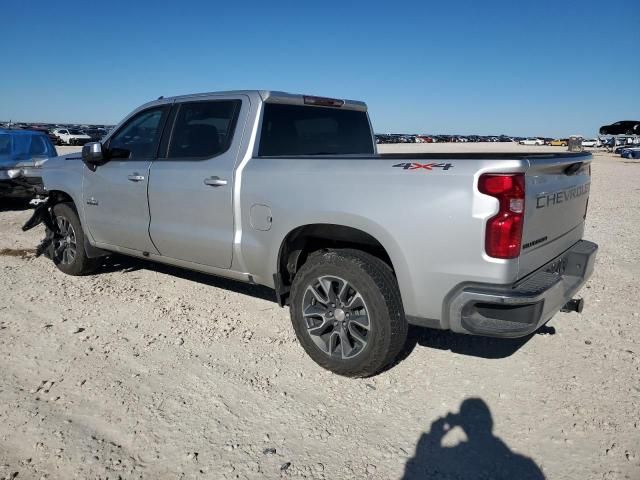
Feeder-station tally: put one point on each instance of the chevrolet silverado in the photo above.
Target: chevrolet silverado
(288, 191)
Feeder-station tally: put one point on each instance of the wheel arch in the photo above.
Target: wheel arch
(60, 196)
(303, 240)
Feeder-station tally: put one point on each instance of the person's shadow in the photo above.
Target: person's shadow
(481, 456)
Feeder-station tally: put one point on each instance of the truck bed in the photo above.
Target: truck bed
(482, 155)
(450, 156)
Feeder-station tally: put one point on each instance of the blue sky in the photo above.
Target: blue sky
(522, 68)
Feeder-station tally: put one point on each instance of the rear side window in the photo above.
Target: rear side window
(306, 130)
(203, 129)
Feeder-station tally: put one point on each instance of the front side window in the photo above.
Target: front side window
(203, 129)
(139, 137)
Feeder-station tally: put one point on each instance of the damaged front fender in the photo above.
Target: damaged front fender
(43, 213)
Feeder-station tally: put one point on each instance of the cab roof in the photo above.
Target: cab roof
(269, 96)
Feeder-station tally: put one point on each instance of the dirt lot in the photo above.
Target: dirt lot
(146, 371)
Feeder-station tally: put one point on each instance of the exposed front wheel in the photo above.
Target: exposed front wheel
(347, 312)
(67, 248)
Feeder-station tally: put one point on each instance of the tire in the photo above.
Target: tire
(365, 292)
(60, 251)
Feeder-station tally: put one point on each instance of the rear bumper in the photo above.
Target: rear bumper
(520, 309)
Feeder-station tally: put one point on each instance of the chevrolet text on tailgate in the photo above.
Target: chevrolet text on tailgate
(288, 191)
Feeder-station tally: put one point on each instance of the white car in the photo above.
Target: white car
(71, 136)
(592, 142)
(531, 141)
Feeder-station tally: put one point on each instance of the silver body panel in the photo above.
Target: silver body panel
(430, 222)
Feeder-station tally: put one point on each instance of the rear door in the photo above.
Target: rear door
(557, 192)
(191, 186)
(115, 194)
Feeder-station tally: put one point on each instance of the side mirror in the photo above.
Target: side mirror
(92, 155)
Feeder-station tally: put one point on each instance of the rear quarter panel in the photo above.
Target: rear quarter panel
(430, 221)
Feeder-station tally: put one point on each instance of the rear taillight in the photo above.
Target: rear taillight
(504, 230)
(586, 207)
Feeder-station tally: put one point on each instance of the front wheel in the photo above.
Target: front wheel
(67, 248)
(347, 312)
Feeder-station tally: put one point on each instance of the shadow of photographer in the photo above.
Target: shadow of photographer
(481, 456)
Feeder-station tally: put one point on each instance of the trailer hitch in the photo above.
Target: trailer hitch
(574, 305)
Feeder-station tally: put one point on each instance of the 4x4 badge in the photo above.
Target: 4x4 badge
(425, 166)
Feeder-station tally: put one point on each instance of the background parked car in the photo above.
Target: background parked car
(22, 154)
(590, 142)
(531, 141)
(558, 142)
(71, 136)
(633, 152)
(623, 127)
(625, 143)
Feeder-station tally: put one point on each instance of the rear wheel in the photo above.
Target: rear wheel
(67, 249)
(347, 312)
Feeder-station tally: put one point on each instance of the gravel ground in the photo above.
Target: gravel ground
(145, 371)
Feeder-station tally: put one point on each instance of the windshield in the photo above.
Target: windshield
(306, 130)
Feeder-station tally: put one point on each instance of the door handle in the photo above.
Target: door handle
(136, 178)
(215, 182)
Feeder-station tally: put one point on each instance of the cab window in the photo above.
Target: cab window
(203, 129)
(139, 137)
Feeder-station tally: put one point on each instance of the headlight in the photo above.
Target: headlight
(14, 172)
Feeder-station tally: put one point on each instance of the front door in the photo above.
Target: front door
(115, 194)
(191, 184)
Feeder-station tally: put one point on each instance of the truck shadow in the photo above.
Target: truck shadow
(484, 347)
(121, 263)
(480, 455)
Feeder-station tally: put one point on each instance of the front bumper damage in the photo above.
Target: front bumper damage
(21, 182)
(43, 213)
(517, 310)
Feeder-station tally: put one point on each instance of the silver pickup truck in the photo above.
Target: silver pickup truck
(288, 191)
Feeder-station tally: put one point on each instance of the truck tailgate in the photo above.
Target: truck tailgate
(557, 193)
